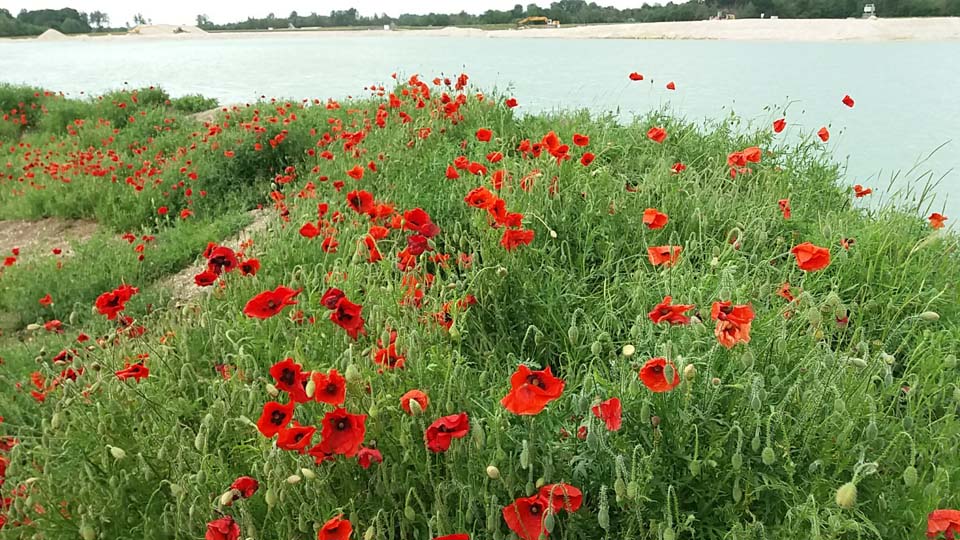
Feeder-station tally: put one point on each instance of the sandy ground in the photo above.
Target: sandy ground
(38, 238)
(927, 29)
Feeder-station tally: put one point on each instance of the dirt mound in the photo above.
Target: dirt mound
(165, 29)
(52, 35)
(37, 238)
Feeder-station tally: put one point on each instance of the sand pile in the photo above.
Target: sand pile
(165, 29)
(52, 35)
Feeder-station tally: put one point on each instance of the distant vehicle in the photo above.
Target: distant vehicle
(869, 10)
(522, 23)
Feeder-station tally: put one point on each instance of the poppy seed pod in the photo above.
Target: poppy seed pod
(272, 390)
(847, 495)
(293, 479)
(690, 372)
(930, 316)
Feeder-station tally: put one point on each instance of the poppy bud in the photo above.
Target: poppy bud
(32, 327)
(409, 513)
(737, 491)
(768, 457)
(668, 534)
(311, 388)
(272, 390)
(694, 468)
(755, 442)
(858, 362)
(553, 234)
(949, 361)
(117, 453)
(910, 476)
(293, 479)
(493, 472)
(308, 474)
(454, 334)
(870, 433)
(907, 423)
(549, 522)
(690, 372)
(629, 350)
(715, 381)
(525, 456)
(669, 372)
(930, 316)
(352, 374)
(573, 334)
(645, 412)
(889, 359)
(736, 461)
(620, 488)
(55, 420)
(596, 348)
(271, 498)
(201, 476)
(655, 421)
(541, 482)
(370, 534)
(228, 497)
(501, 271)
(415, 408)
(87, 532)
(847, 495)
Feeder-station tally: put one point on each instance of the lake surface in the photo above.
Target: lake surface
(906, 92)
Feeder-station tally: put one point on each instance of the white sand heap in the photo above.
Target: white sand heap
(165, 29)
(52, 35)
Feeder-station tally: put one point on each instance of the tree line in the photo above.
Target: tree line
(70, 21)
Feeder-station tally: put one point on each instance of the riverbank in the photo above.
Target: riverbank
(907, 29)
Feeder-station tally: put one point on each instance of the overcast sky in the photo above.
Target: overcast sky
(186, 11)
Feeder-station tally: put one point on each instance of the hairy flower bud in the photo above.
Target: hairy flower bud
(847, 495)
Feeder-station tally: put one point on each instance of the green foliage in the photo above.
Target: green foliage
(193, 103)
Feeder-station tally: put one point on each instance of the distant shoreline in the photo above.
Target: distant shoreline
(809, 30)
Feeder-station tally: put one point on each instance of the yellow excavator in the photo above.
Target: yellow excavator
(523, 23)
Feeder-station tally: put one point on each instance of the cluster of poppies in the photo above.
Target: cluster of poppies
(223, 260)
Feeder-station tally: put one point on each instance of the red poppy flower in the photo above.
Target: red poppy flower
(636, 76)
(480, 197)
(657, 134)
(587, 158)
(784, 205)
(671, 313)
(729, 333)
(287, 375)
(269, 303)
(943, 521)
(356, 172)
(858, 191)
(580, 140)
(678, 168)
(246, 486)
(516, 237)
(752, 154)
(274, 418)
(811, 258)
(610, 412)
(295, 437)
(562, 497)
(137, 372)
(331, 297)
(452, 173)
(249, 267)
(442, 431)
(671, 86)
(367, 456)
(726, 311)
(936, 220)
(654, 377)
(414, 395)
(329, 245)
(530, 391)
(824, 134)
(525, 517)
(848, 101)
(664, 255)
(348, 316)
(222, 259)
(163, 210)
(343, 432)
(205, 278)
(331, 388)
(418, 220)
(654, 219)
(511, 102)
(46, 300)
(336, 528)
(484, 135)
(779, 125)
(360, 201)
(309, 230)
(224, 528)
(458, 536)
(113, 302)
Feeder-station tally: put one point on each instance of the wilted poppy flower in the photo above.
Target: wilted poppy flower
(778, 125)
(858, 191)
(224, 528)
(136, 372)
(331, 388)
(848, 101)
(610, 412)
(936, 220)
(530, 391)
(943, 521)
(525, 517)
(811, 258)
(664, 255)
(515, 237)
(824, 134)
(562, 497)
(331, 297)
(274, 418)
(295, 437)
(654, 219)
(636, 76)
(671, 313)
(269, 303)
(245, 486)
(414, 395)
(653, 375)
(335, 528)
(368, 456)
(348, 316)
(784, 205)
(343, 432)
(484, 135)
(443, 430)
(657, 134)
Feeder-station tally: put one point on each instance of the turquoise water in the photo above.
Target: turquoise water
(905, 92)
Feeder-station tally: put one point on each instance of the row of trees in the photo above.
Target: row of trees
(582, 12)
(66, 20)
